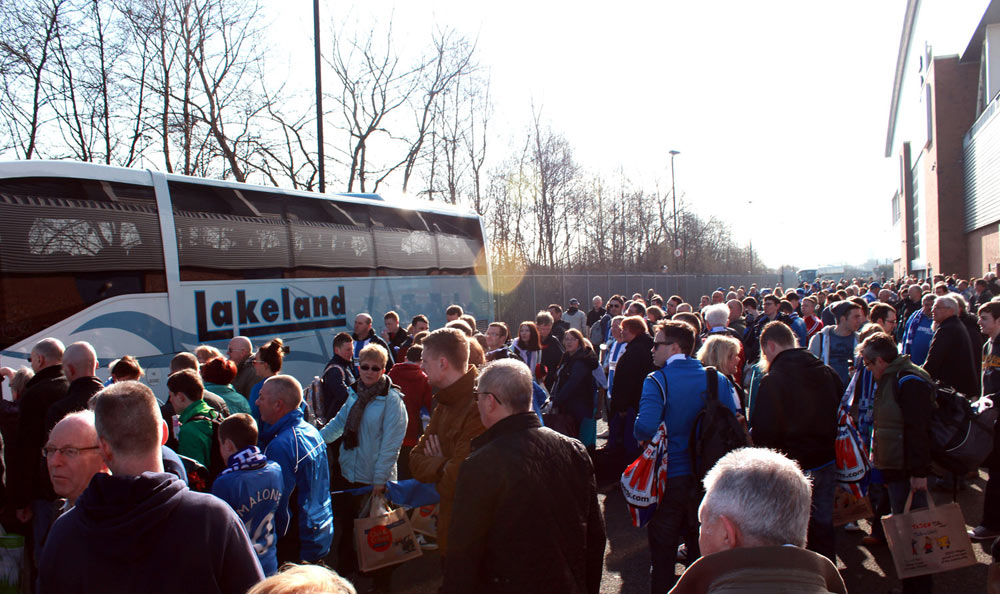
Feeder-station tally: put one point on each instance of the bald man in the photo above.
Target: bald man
(73, 456)
(79, 365)
(239, 352)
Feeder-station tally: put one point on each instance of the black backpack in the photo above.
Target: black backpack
(961, 432)
(215, 462)
(715, 432)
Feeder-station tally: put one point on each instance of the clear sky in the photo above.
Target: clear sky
(782, 103)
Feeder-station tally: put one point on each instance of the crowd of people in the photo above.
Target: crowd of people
(244, 479)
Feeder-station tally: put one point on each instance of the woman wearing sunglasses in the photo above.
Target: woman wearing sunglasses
(373, 424)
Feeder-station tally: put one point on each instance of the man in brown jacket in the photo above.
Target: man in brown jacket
(455, 421)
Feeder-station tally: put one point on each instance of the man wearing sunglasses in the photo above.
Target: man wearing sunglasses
(600, 331)
(502, 532)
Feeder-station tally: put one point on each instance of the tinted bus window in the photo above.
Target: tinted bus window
(66, 244)
(231, 234)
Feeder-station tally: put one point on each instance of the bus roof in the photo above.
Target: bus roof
(94, 171)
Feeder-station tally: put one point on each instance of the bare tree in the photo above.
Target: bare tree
(27, 38)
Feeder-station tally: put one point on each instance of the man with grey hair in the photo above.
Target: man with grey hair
(950, 358)
(31, 492)
(79, 365)
(754, 519)
(502, 531)
(154, 533)
(717, 318)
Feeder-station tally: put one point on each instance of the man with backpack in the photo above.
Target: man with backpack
(901, 444)
(194, 439)
(795, 412)
(676, 394)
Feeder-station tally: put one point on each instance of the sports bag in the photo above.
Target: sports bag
(645, 479)
(715, 432)
(961, 432)
(852, 457)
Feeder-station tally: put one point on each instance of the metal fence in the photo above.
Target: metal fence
(519, 298)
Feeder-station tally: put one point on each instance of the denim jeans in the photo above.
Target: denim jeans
(676, 515)
(821, 532)
(898, 492)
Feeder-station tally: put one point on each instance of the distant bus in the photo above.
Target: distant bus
(809, 275)
(148, 264)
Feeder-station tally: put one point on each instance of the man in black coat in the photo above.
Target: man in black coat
(337, 376)
(526, 517)
(364, 334)
(630, 373)
(79, 365)
(796, 413)
(950, 360)
(30, 489)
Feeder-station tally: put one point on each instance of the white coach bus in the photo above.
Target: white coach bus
(148, 264)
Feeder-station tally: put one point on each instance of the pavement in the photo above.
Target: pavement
(626, 560)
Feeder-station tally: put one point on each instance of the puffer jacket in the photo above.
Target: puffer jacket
(300, 451)
(380, 435)
(573, 391)
(456, 422)
(526, 514)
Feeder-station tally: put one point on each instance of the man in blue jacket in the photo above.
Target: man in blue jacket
(251, 485)
(675, 393)
(305, 526)
(919, 332)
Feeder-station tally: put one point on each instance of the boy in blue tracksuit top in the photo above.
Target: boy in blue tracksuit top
(919, 332)
(684, 382)
(251, 485)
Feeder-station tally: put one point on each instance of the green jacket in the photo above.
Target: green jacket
(236, 402)
(888, 446)
(194, 440)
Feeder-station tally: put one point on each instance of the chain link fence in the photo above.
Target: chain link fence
(519, 298)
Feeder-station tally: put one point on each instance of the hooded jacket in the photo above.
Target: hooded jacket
(147, 533)
(361, 342)
(380, 435)
(417, 394)
(298, 448)
(796, 408)
(455, 421)
(573, 391)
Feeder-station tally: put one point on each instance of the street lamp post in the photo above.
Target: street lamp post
(319, 99)
(673, 194)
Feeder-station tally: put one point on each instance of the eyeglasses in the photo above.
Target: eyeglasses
(659, 343)
(478, 394)
(369, 367)
(256, 361)
(68, 452)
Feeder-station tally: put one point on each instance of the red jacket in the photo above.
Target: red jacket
(416, 394)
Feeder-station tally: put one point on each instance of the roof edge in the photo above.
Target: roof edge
(910, 18)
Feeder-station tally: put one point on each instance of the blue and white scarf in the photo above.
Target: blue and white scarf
(250, 458)
(911, 330)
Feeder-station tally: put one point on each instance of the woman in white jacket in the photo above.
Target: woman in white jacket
(373, 424)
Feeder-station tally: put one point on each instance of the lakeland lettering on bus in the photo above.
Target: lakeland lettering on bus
(278, 316)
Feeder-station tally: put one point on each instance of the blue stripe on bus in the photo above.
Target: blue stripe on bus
(145, 326)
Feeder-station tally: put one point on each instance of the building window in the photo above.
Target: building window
(895, 208)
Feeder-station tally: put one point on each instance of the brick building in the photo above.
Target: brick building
(944, 132)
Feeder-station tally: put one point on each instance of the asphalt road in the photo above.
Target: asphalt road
(626, 561)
